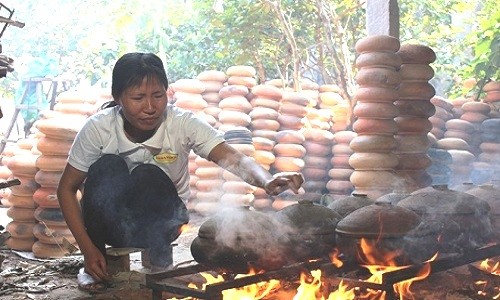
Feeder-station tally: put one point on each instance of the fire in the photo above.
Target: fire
(311, 289)
(490, 267)
(493, 268)
(254, 291)
(379, 263)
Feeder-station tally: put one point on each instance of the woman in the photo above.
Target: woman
(132, 158)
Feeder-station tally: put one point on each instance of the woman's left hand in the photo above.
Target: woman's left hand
(283, 181)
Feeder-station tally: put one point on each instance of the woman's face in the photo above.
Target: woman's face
(143, 107)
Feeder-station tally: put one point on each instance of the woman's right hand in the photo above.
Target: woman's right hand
(95, 264)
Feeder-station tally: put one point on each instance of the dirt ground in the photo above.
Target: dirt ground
(24, 277)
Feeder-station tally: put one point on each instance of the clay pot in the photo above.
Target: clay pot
(461, 219)
(348, 204)
(491, 194)
(237, 239)
(394, 231)
(309, 228)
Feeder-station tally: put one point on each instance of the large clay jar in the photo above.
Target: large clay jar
(461, 218)
(238, 239)
(390, 231)
(309, 228)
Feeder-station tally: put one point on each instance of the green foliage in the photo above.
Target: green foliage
(86, 37)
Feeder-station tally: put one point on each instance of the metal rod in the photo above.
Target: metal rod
(442, 264)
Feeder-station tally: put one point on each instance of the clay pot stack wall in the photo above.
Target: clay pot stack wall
(289, 149)
(77, 102)
(316, 161)
(415, 108)
(373, 160)
(319, 139)
(264, 125)
(213, 81)
(443, 112)
(57, 133)
(487, 167)
(188, 95)
(339, 174)
(5, 174)
(475, 113)
(22, 208)
(236, 192)
(492, 97)
(330, 99)
(462, 159)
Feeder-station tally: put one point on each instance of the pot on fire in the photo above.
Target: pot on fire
(238, 239)
(462, 219)
(389, 231)
(309, 230)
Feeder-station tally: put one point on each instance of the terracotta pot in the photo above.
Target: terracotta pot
(310, 229)
(491, 194)
(237, 239)
(461, 218)
(348, 204)
(391, 229)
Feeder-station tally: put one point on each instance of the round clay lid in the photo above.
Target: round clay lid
(439, 199)
(379, 220)
(237, 222)
(309, 217)
(348, 204)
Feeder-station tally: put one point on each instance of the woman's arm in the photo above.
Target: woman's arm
(251, 172)
(70, 182)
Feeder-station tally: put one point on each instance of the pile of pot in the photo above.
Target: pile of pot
(411, 228)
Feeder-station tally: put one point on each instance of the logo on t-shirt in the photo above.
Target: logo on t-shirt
(165, 158)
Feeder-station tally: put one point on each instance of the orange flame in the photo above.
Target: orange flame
(254, 291)
(334, 257)
(184, 228)
(380, 262)
(493, 268)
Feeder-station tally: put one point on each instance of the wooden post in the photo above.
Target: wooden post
(382, 17)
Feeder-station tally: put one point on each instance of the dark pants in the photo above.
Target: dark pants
(139, 209)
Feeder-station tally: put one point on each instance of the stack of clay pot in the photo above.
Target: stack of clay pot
(289, 149)
(462, 159)
(311, 90)
(56, 137)
(415, 107)
(208, 186)
(235, 107)
(457, 103)
(5, 174)
(214, 81)
(492, 97)
(340, 112)
(242, 75)
(439, 170)
(339, 174)
(289, 152)
(317, 162)
(77, 102)
(442, 114)
(475, 113)
(487, 167)
(373, 159)
(264, 126)
(188, 95)
(22, 164)
(236, 191)
(319, 140)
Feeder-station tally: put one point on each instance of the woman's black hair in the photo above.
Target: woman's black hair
(131, 69)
